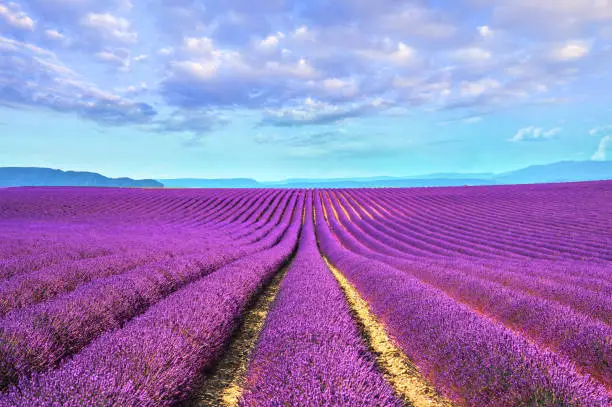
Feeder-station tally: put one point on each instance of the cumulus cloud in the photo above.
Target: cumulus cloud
(59, 88)
(13, 16)
(54, 35)
(549, 17)
(570, 51)
(201, 74)
(599, 131)
(402, 55)
(269, 56)
(602, 150)
(134, 90)
(118, 57)
(110, 27)
(485, 31)
(303, 33)
(479, 87)
(339, 89)
(314, 112)
(271, 42)
(472, 55)
(194, 123)
(416, 20)
(533, 133)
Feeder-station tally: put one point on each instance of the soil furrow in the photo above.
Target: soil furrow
(399, 371)
(222, 385)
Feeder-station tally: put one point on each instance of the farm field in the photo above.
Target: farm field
(458, 296)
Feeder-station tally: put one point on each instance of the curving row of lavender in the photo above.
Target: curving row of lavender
(38, 337)
(541, 310)
(472, 359)
(501, 296)
(310, 351)
(156, 359)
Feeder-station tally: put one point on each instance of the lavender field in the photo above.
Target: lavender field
(458, 296)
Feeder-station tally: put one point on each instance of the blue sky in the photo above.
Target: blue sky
(271, 89)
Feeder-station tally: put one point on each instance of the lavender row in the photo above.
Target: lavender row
(26, 263)
(310, 351)
(73, 247)
(37, 338)
(596, 305)
(589, 301)
(29, 288)
(437, 233)
(156, 359)
(502, 217)
(470, 358)
(41, 285)
(444, 216)
(440, 233)
(584, 340)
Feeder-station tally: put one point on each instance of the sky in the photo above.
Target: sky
(274, 89)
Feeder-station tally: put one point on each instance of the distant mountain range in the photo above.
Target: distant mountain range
(567, 171)
(34, 176)
(211, 183)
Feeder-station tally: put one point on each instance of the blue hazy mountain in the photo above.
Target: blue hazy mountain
(35, 176)
(377, 183)
(567, 171)
(210, 183)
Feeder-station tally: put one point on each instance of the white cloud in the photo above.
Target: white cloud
(301, 69)
(312, 111)
(485, 31)
(165, 51)
(558, 19)
(303, 33)
(54, 35)
(108, 56)
(335, 84)
(344, 88)
(199, 46)
(271, 42)
(203, 60)
(197, 70)
(110, 27)
(591, 10)
(533, 133)
(264, 55)
(602, 150)
(134, 90)
(414, 21)
(38, 79)
(119, 57)
(402, 55)
(13, 16)
(477, 88)
(598, 131)
(570, 51)
(8, 43)
(472, 55)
